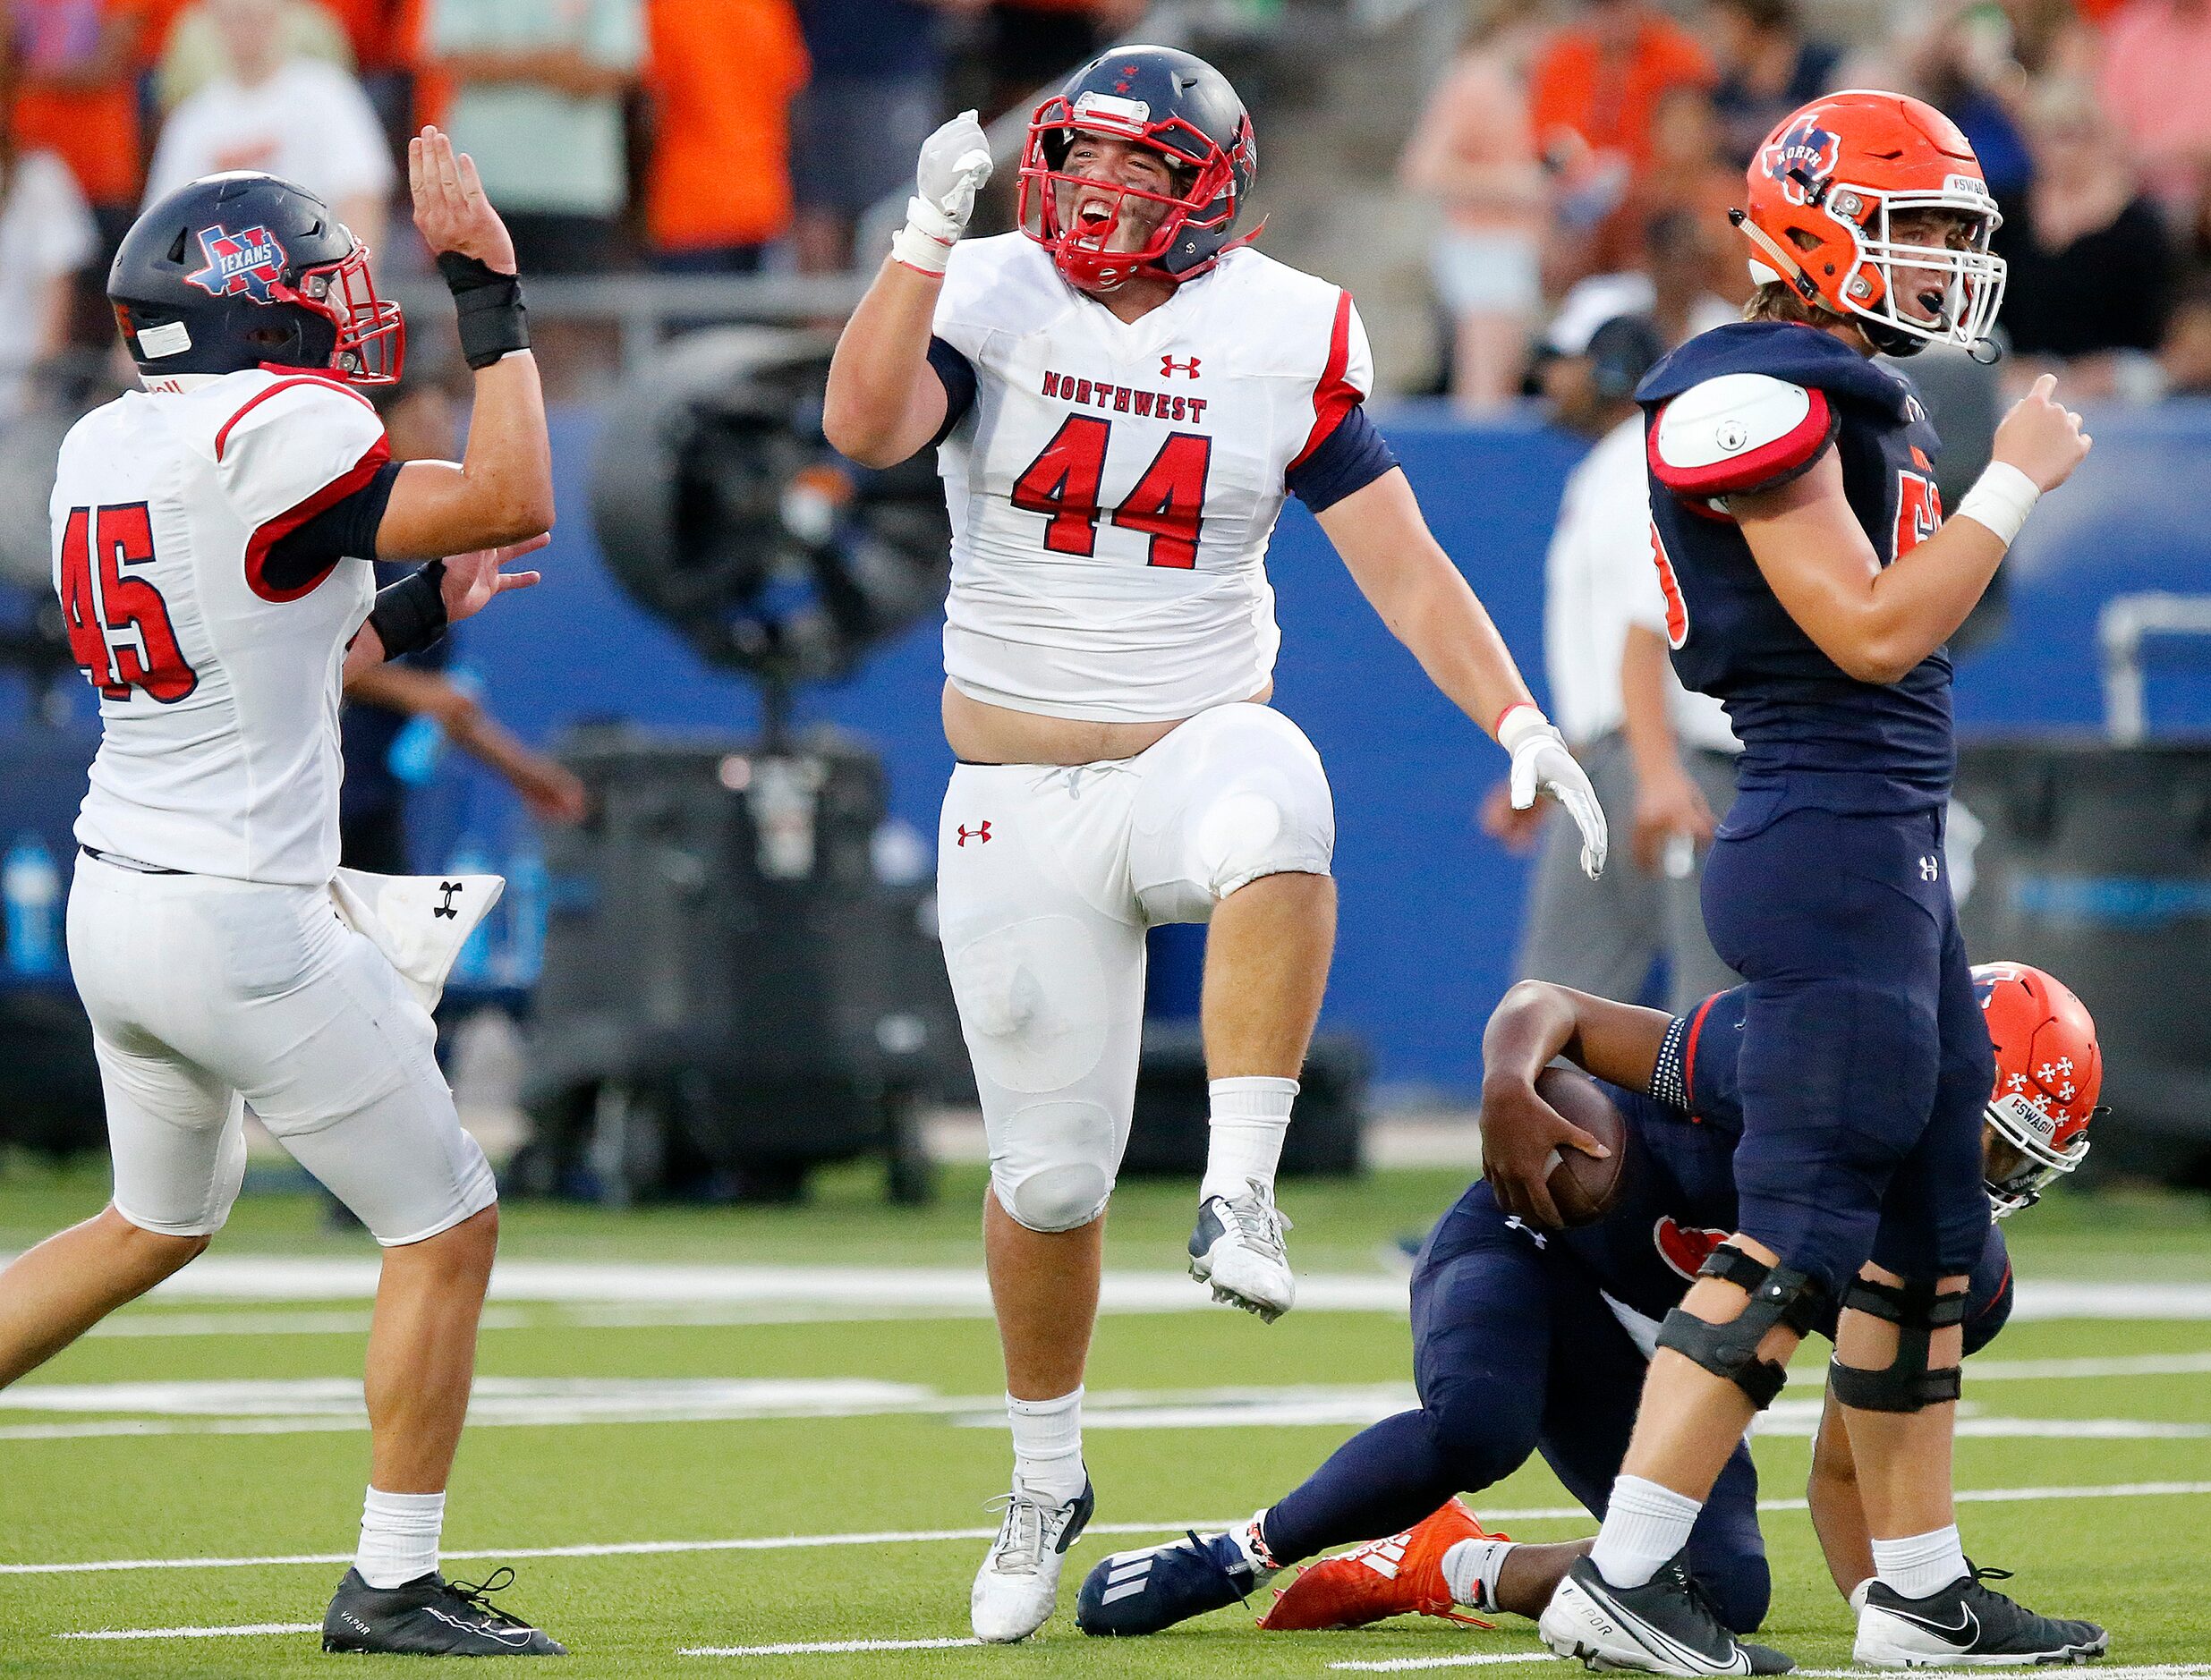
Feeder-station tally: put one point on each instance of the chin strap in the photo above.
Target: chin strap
(1787, 267)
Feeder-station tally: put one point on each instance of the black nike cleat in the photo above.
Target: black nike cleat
(1665, 1627)
(1966, 1626)
(430, 1617)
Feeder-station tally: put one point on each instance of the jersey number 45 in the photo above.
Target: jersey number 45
(1167, 502)
(119, 628)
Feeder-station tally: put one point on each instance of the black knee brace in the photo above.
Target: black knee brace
(1907, 1385)
(1778, 1296)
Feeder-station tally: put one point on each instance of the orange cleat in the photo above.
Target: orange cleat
(1397, 1576)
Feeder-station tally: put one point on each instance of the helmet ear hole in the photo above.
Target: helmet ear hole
(176, 248)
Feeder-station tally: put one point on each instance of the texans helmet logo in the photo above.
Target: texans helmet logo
(249, 262)
(1684, 1247)
(1802, 159)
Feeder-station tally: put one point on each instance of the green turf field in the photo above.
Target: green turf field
(712, 1411)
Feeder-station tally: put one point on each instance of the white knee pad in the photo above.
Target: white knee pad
(1239, 792)
(1053, 1163)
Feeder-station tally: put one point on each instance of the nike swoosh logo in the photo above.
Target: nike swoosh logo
(1967, 1631)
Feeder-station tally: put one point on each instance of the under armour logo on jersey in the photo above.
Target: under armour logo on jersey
(1930, 870)
(447, 910)
(980, 836)
(1169, 367)
(251, 262)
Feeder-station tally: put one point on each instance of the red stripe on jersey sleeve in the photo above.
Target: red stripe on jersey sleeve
(1689, 1056)
(1334, 396)
(283, 524)
(260, 397)
(1796, 448)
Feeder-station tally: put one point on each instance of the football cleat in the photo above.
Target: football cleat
(1665, 1627)
(1966, 1626)
(1018, 1584)
(1238, 1248)
(1402, 1575)
(430, 1617)
(1144, 1591)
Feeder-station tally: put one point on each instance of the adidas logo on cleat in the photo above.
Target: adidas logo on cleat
(1128, 1576)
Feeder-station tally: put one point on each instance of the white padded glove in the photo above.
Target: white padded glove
(1541, 762)
(955, 162)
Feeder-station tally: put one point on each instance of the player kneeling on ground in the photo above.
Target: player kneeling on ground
(1123, 393)
(213, 537)
(1529, 1338)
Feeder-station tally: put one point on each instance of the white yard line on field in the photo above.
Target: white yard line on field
(825, 1648)
(905, 1537)
(1467, 1659)
(1410, 1664)
(865, 1291)
(243, 1629)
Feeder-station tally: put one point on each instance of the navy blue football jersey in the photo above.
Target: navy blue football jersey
(1820, 736)
(1678, 1194)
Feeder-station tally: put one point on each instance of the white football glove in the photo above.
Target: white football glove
(1541, 762)
(955, 162)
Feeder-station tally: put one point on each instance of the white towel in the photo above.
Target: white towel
(419, 922)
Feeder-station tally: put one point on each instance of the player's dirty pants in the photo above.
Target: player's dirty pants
(1865, 1062)
(1515, 1351)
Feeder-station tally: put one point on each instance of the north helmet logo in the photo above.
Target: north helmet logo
(1169, 367)
(981, 835)
(251, 261)
(1802, 159)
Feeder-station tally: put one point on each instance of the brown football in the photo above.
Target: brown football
(1584, 1187)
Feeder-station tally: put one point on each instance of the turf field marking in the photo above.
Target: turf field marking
(825, 1648)
(906, 1537)
(1471, 1659)
(243, 1629)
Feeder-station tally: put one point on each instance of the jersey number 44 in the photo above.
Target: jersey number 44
(1166, 503)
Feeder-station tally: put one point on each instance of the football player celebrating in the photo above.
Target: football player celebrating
(213, 536)
(1811, 584)
(1529, 1339)
(1123, 392)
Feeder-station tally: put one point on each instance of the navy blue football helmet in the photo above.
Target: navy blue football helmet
(245, 270)
(1178, 106)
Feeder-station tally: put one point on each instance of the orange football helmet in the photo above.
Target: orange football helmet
(2049, 1074)
(1822, 191)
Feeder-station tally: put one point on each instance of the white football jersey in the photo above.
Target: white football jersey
(219, 690)
(1113, 488)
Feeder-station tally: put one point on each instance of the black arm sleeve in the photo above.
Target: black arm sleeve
(957, 374)
(345, 530)
(1349, 458)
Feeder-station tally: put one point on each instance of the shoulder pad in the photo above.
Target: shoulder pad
(1780, 350)
(1739, 432)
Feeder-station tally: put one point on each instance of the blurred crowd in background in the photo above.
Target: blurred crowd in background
(1571, 141)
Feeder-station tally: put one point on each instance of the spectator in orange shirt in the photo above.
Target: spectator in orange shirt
(1595, 90)
(722, 75)
(78, 99)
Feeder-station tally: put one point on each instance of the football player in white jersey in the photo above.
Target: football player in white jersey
(1121, 395)
(213, 536)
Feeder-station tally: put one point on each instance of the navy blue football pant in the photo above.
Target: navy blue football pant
(1864, 1064)
(1514, 1353)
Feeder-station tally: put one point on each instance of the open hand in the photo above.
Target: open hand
(1666, 806)
(471, 580)
(450, 208)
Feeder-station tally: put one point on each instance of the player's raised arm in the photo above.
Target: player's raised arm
(1878, 623)
(1404, 573)
(1521, 1133)
(885, 400)
(501, 491)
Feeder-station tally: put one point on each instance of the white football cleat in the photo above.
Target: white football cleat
(1237, 1248)
(1019, 1581)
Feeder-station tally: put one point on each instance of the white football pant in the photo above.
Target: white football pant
(1048, 876)
(207, 994)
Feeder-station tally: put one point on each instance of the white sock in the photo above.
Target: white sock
(1251, 1540)
(1248, 1119)
(1048, 1444)
(1645, 1525)
(1470, 1570)
(399, 1536)
(1920, 1564)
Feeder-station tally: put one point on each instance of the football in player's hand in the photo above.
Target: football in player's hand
(1584, 1187)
